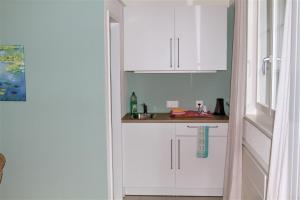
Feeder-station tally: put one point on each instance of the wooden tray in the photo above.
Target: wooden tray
(191, 114)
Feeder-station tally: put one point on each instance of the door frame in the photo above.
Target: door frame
(108, 107)
(113, 146)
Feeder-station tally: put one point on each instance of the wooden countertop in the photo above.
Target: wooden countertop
(165, 118)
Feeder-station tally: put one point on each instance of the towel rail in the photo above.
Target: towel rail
(202, 126)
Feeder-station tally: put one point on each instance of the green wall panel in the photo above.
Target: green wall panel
(55, 142)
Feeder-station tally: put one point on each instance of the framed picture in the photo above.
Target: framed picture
(12, 73)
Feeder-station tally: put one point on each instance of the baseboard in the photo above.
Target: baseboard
(174, 191)
(3, 198)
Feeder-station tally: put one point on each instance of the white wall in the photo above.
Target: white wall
(55, 142)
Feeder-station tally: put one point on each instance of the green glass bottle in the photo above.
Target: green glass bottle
(133, 106)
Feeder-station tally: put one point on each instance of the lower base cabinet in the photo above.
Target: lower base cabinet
(254, 178)
(206, 173)
(160, 159)
(147, 155)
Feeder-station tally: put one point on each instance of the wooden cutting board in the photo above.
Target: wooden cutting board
(191, 114)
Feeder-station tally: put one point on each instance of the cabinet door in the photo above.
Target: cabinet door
(201, 38)
(213, 37)
(186, 37)
(149, 38)
(205, 174)
(148, 158)
(254, 178)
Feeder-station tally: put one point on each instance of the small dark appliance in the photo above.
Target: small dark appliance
(219, 110)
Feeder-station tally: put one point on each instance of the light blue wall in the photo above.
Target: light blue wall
(1, 22)
(55, 142)
(156, 89)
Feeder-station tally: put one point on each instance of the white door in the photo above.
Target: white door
(205, 174)
(213, 37)
(186, 20)
(148, 158)
(149, 38)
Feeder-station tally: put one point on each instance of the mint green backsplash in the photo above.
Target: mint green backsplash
(156, 89)
(55, 142)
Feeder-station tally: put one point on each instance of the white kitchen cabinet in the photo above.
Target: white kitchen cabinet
(160, 159)
(180, 39)
(186, 38)
(148, 157)
(206, 174)
(148, 38)
(254, 178)
(213, 38)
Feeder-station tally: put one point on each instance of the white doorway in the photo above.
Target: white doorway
(114, 109)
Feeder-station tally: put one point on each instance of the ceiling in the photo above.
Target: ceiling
(175, 2)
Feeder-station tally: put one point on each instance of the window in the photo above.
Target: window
(264, 52)
(265, 34)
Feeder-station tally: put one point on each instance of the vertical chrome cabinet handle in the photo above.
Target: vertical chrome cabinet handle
(178, 154)
(264, 65)
(178, 53)
(171, 153)
(171, 51)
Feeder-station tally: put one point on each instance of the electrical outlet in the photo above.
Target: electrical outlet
(172, 104)
(199, 102)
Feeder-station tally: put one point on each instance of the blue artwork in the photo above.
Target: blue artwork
(12, 73)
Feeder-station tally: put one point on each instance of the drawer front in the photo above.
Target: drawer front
(190, 129)
(259, 143)
(253, 176)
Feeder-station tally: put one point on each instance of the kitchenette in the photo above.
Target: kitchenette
(175, 88)
(176, 57)
(160, 156)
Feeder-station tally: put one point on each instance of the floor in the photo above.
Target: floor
(169, 198)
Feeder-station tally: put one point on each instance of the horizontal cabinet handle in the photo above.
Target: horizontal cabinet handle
(202, 126)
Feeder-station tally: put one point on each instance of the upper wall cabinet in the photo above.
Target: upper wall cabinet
(149, 38)
(190, 38)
